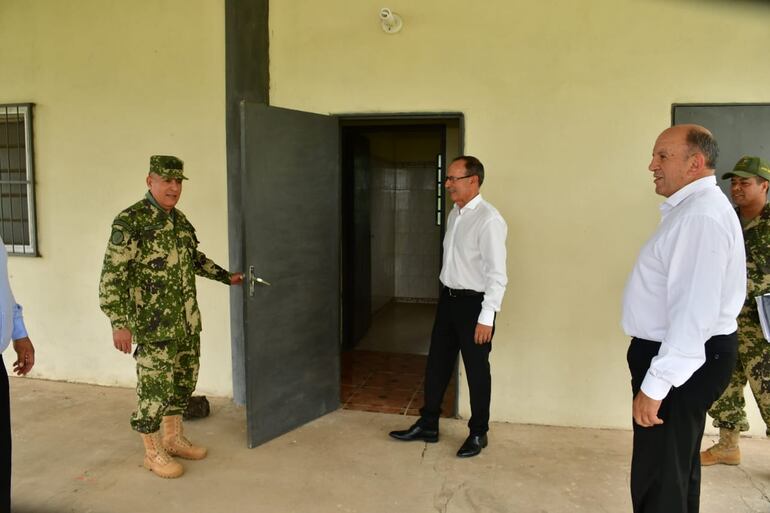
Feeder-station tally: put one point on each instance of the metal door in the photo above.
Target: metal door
(290, 203)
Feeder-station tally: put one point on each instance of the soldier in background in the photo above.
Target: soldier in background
(147, 289)
(749, 181)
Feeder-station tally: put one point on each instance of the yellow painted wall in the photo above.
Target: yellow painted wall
(113, 83)
(562, 102)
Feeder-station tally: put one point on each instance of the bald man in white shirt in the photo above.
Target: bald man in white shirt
(473, 277)
(680, 306)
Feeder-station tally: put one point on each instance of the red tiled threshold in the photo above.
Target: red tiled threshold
(387, 383)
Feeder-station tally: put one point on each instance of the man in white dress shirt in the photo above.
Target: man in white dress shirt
(473, 275)
(680, 306)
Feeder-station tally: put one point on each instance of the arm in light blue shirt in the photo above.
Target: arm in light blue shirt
(19, 330)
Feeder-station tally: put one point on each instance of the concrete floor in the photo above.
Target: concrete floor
(75, 453)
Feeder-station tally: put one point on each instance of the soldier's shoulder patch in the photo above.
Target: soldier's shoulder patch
(121, 231)
(118, 237)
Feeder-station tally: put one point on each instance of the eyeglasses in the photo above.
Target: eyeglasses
(453, 179)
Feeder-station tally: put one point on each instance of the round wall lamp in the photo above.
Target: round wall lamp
(391, 22)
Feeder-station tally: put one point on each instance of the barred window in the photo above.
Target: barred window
(17, 198)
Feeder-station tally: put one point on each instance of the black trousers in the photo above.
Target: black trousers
(453, 332)
(665, 466)
(5, 440)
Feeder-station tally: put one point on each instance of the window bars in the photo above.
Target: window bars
(17, 198)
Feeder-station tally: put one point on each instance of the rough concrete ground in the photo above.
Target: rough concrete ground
(75, 453)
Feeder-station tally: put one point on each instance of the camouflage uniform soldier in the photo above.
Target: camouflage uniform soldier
(749, 192)
(147, 290)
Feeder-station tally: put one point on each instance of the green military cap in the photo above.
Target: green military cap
(750, 166)
(167, 166)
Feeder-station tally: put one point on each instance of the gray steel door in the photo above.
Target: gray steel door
(291, 222)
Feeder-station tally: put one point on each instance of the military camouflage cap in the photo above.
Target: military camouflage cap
(750, 166)
(167, 166)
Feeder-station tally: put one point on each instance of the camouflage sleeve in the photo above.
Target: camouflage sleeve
(114, 294)
(203, 265)
(759, 249)
(757, 240)
(207, 268)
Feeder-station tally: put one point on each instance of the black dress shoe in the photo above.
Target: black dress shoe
(472, 446)
(416, 432)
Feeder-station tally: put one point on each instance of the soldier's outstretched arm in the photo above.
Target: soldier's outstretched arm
(207, 268)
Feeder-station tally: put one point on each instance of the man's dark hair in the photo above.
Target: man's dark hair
(704, 142)
(473, 166)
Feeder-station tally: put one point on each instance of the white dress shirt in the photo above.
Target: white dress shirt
(688, 284)
(11, 320)
(474, 254)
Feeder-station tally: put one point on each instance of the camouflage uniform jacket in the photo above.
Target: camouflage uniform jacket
(756, 236)
(148, 277)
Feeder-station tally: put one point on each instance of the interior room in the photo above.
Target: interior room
(393, 222)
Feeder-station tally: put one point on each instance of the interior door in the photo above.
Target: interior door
(356, 237)
(290, 188)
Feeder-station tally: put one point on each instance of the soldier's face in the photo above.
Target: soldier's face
(748, 191)
(166, 191)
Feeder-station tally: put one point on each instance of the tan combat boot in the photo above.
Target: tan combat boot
(157, 459)
(175, 442)
(726, 451)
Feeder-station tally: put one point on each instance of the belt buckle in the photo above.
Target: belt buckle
(451, 292)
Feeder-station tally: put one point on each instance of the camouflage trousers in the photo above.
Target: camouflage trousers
(166, 375)
(753, 365)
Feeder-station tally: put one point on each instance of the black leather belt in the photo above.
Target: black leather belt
(462, 292)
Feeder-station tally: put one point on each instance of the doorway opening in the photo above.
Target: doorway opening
(393, 216)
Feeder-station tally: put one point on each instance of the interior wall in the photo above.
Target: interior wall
(383, 230)
(562, 102)
(417, 234)
(113, 83)
(405, 237)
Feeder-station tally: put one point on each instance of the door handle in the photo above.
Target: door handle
(254, 280)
